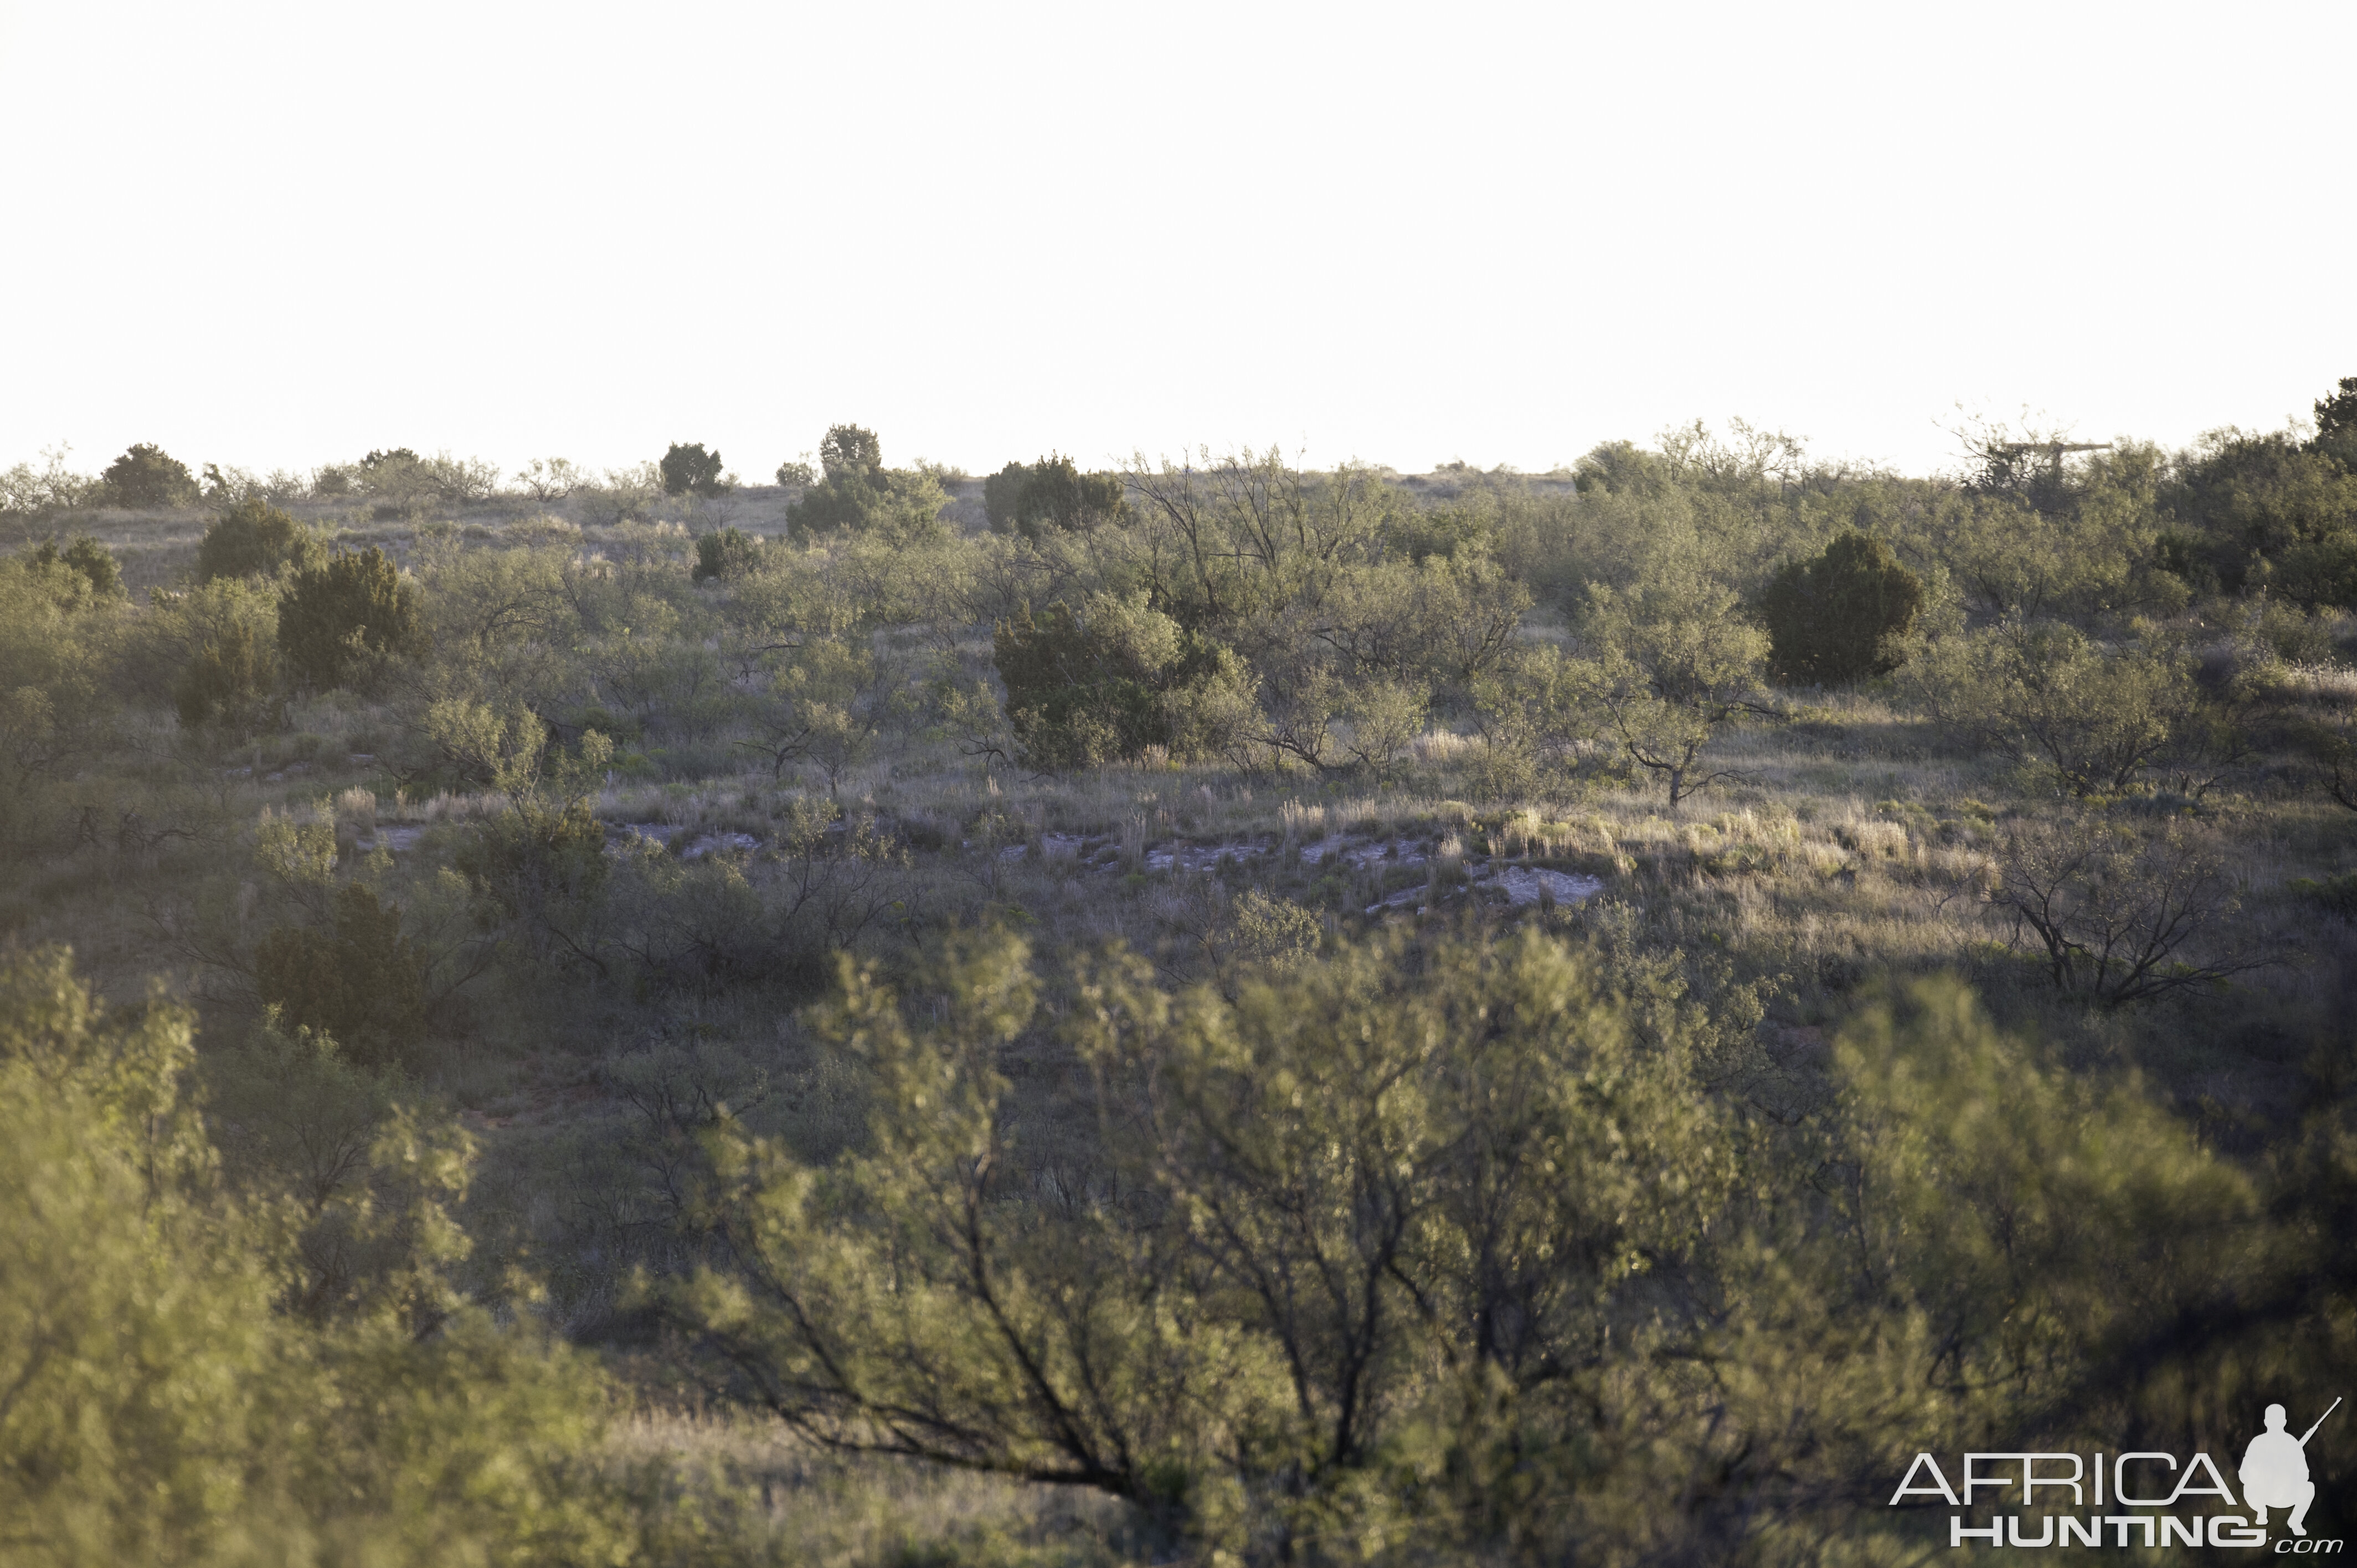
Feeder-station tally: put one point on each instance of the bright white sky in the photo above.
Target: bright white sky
(279, 234)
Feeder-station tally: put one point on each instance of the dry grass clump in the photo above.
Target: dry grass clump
(356, 811)
(1443, 746)
(447, 806)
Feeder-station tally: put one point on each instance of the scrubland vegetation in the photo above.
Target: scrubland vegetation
(1199, 1011)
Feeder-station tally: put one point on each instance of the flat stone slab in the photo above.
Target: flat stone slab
(1360, 853)
(1521, 886)
(1200, 856)
(1524, 885)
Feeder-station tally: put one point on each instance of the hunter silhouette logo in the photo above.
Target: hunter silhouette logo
(2275, 1471)
(2127, 1492)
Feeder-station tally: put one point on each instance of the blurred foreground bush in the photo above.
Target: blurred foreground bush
(1485, 1251)
(161, 1407)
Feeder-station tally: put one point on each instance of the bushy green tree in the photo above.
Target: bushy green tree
(1339, 1206)
(823, 707)
(61, 658)
(1101, 683)
(539, 869)
(359, 981)
(1052, 493)
(848, 451)
(1234, 545)
(1457, 1248)
(2041, 1225)
(2090, 549)
(398, 479)
(1671, 662)
(1618, 467)
(92, 561)
(2268, 510)
(229, 680)
(725, 555)
(147, 476)
(1444, 621)
(692, 470)
(211, 652)
(1532, 712)
(254, 539)
(890, 505)
(334, 615)
(2044, 694)
(859, 496)
(1463, 528)
(2336, 424)
(1840, 618)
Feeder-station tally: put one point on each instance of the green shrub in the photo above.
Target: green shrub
(849, 450)
(1099, 686)
(228, 681)
(254, 539)
(1675, 663)
(333, 615)
(211, 652)
(726, 556)
(2336, 894)
(541, 867)
(692, 470)
(161, 1409)
(899, 507)
(1338, 1122)
(2044, 694)
(2265, 509)
(400, 481)
(1839, 617)
(53, 489)
(1029, 498)
(147, 476)
(2336, 424)
(1466, 528)
(361, 981)
(859, 495)
(91, 560)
